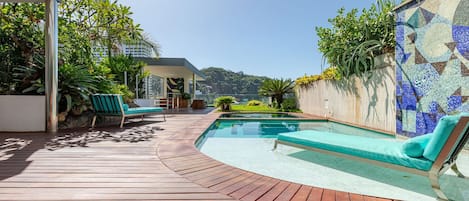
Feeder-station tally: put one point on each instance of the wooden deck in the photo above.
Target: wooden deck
(145, 161)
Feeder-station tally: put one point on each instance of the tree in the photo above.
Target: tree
(276, 88)
(83, 24)
(105, 23)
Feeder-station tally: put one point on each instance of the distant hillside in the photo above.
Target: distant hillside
(221, 81)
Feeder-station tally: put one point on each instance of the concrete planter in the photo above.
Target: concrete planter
(22, 113)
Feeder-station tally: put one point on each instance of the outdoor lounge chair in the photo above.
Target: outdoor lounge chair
(112, 105)
(429, 155)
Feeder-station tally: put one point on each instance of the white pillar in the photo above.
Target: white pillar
(165, 87)
(51, 65)
(186, 84)
(136, 86)
(194, 82)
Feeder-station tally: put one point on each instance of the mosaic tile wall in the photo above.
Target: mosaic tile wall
(432, 57)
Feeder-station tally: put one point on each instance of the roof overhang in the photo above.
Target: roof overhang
(171, 68)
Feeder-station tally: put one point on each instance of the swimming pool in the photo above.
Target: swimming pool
(258, 115)
(247, 144)
(245, 128)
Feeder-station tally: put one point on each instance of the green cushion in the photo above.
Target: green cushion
(440, 135)
(125, 106)
(414, 147)
(143, 110)
(388, 151)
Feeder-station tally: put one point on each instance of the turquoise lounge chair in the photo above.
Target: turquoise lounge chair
(429, 155)
(113, 105)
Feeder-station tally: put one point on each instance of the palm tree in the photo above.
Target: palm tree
(276, 88)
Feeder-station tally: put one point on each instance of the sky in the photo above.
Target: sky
(274, 38)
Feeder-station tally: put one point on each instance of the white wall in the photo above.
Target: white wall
(22, 113)
(366, 102)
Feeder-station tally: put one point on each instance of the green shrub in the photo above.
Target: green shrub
(328, 74)
(224, 102)
(123, 90)
(289, 105)
(255, 103)
(186, 96)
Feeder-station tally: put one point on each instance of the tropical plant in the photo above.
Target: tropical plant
(105, 23)
(276, 88)
(21, 42)
(353, 41)
(126, 93)
(255, 103)
(120, 64)
(289, 105)
(75, 86)
(224, 102)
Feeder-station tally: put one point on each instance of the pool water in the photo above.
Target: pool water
(247, 144)
(258, 115)
(271, 128)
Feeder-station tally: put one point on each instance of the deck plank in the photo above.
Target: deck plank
(249, 188)
(166, 166)
(288, 193)
(328, 195)
(302, 194)
(274, 192)
(316, 194)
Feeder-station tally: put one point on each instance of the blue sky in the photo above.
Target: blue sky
(274, 38)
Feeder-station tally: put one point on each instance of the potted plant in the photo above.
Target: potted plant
(224, 102)
(184, 100)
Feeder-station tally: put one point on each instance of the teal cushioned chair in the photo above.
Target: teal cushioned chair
(113, 105)
(438, 153)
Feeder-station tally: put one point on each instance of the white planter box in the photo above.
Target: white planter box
(22, 113)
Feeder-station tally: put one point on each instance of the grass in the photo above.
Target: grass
(245, 108)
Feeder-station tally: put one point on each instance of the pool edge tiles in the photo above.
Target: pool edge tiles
(270, 128)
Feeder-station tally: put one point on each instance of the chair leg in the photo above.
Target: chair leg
(164, 117)
(122, 121)
(93, 122)
(454, 167)
(436, 187)
(275, 145)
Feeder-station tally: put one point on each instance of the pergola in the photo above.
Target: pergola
(51, 60)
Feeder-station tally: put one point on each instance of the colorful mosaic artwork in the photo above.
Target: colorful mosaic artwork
(432, 57)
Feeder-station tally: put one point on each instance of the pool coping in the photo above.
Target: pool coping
(179, 153)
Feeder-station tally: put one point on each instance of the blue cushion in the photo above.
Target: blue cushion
(383, 150)
(143, 110)
(440, 135)
(414, 147)
(125, 106)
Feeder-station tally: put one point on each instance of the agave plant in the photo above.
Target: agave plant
(276, 88)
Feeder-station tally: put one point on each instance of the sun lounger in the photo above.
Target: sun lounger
(429, 155)
(113, 105)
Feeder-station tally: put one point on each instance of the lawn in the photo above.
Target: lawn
(245, 108)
